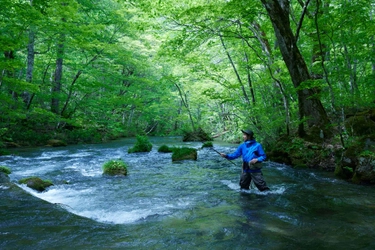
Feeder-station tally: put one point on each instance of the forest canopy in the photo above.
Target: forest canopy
(89, 71)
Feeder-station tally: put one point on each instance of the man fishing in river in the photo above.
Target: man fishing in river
(252, 156)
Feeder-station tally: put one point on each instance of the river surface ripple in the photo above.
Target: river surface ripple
(184, 205)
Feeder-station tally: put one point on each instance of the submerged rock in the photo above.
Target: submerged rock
(4, 178)
(4, 172)
(184, 153)
(36, 183)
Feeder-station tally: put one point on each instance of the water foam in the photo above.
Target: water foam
(117, 217)
(236, 187)
(3, 187)
(90, 202)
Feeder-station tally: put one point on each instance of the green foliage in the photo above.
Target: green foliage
(142, 145)
(115, 167)
(368, 153)
(83, 135)
(349, 169)
(122, 65)
(5, 170)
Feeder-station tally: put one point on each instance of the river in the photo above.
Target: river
(183, 205)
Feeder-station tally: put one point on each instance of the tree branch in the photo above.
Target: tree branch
(301, 20)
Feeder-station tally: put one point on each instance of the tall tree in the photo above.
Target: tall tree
(310, 106)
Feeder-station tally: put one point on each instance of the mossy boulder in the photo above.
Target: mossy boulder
(184, 153)
(5, 170)
(36, 183)
(357, 163)
(141, 145)
(365, 171)
(299, 153)
(115, 167)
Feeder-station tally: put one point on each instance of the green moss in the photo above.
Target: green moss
(349, 169)
(5, 170)
(184, 153)
(368, 153)
(36, 183)
(142, 145)
(115, 167)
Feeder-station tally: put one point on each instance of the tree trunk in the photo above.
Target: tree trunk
(27, 97)
(56, 89)
(266, 48)
(235, 71)
(184, 101)
(309, 105)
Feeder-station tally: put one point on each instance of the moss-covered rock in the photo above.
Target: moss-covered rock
(5, 170)
(358, 161)
(36, 183)
(184, 153)
(142, 145)
(299, 153)
(365, 171)
(115, 167)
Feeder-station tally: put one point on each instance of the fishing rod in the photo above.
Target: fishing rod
(225, 158)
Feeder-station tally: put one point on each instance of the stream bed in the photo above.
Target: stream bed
(183, 205)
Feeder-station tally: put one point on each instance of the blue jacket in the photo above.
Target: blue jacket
(249, 150)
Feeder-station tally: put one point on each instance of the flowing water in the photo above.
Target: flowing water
(184, 205)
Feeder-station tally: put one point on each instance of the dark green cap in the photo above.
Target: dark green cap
(248, 132)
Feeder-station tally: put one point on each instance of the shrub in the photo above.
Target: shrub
(142, 145)
(5, 170)
(115, 167)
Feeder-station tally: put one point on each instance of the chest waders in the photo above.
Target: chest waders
(252, 173)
